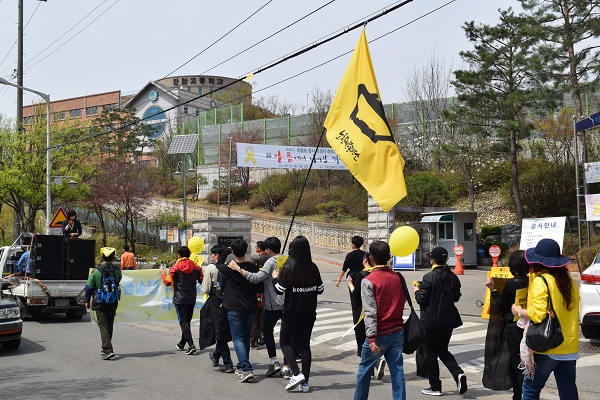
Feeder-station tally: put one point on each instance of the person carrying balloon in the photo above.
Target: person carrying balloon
(436, 295)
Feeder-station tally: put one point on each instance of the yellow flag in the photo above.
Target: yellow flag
(359, 133)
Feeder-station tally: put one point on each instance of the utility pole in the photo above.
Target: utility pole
(19, 120)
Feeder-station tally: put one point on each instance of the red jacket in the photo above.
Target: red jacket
(184, 275)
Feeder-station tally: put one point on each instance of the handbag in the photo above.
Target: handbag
(547, 334)
(414, 331)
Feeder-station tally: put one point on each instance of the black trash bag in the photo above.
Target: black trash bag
(497, 373)
(421, 362)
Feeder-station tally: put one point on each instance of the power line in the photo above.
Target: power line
(219, 39)
(13, 46)
(72, 37)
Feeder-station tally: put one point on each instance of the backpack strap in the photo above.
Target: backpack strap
(405, 288)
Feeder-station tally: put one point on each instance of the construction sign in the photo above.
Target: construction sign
(59, 217)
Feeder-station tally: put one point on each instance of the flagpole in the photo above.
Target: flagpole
(302, 190)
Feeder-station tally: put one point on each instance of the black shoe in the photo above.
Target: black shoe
(180, 347)
(380, 369)
(274, 369)
(108, 356)
(213, 360)
(191, 350)
(462, 383)
(228, 369)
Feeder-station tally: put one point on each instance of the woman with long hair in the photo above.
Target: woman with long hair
(301, 282)
(436, 295)
(546, 261)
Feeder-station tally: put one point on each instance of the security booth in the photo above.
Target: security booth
(450, 228)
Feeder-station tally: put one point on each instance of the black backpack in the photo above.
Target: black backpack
(108, 293)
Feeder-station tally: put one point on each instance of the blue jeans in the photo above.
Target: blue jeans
(390, 347)
(240, 324)
(564, 373)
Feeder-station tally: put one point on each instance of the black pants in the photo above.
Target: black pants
(294, 330)
(359, 331)
(270, 318)
(436, 342)
(106, 319)
(513, 337)
(184, 314)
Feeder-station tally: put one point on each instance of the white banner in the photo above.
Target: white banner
(592, 172)
(294, 157)
(535, 229)
(592, 207)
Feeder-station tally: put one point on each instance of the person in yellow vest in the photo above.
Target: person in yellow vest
(547, 262)
(127, 259)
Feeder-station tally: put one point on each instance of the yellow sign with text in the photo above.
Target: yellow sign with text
(500, 275)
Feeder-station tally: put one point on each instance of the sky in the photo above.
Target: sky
(80, 47)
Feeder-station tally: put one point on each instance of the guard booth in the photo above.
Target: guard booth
(450, 228)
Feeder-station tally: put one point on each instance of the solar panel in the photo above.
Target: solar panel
(183, 144)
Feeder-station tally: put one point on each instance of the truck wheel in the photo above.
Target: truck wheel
(11, 344)
(27, 312)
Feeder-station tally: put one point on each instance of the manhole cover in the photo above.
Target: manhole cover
(589, 347)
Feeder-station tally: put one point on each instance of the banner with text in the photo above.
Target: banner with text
(535, 229)
(294, 157)
(145, 298)
(592, 207)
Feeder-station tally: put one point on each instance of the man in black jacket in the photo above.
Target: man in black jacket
(239, 298)
(436, 295)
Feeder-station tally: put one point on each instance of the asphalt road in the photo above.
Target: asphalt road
(59, 359)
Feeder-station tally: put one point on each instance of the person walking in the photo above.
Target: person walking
(127, 259)
(214, 325)
(552, 279)
(183, 276)
(239, 298)
(383, 301)
(436, 295)
(301, 283)
(512, 333)
(102, 284)
(359, 328)
(272, 302)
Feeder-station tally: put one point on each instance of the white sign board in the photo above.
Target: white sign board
(162, 234)
(294, 157)
(592, 207)
(592, 172)
(405, 263)
(536, 229)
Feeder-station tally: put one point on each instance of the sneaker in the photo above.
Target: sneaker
(238, 371)
(380, 369)
(191, 350)
(246, 376)
(180, 347)
(431, 392)
(305, 388)
(286, 373)
(274, 368)
(108, 356)
(213, 360)
(228, 369)
(462, 383)
(295, 381)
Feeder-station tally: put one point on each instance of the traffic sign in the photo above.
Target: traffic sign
(458, 249)
(59, 217)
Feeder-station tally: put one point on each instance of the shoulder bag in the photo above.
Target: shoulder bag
(414, 332)
(547, 334)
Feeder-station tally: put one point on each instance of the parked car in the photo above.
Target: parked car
(11, 324)
(589, 291)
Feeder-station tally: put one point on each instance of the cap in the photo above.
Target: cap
(107, 251)
(439, 254)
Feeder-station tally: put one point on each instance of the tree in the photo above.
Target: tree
(425, 190)
(569, 30)
(504, 84)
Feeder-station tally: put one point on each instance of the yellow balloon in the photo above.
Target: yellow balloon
(404, 241)
(196, 244)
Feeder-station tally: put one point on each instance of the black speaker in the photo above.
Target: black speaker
(48, 256)
(80, 258)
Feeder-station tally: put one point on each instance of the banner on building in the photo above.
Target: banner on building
(592, 207)
(294, 157)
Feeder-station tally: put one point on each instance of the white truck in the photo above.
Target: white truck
(41, 294)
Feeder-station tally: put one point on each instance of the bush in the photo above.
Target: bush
(425, 190)
(332, 209)
(586, 256)
(307, 206)
(272, 191)
(491, 231)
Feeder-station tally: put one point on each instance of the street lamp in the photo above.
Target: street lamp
(190, 173)
(46, 98)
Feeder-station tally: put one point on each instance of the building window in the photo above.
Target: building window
(445, 230)
(91, 110)
(75, 113)
(469, 232)
(199, 89)
(155, 117)
(185, 109)
(189, 88)
(59, 115)
(197, 111)
(109, 107)
(28, 120)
